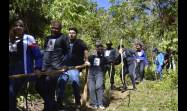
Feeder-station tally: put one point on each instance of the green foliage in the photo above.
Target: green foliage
(149, 73)
(147, 21)
(170, 81)
(32, 12)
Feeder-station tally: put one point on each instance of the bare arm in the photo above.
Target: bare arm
(86, 56)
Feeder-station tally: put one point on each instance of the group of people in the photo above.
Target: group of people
(59, 50)
(67, 50)
(163, 60)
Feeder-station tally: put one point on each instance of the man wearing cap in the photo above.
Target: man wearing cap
(110, 53)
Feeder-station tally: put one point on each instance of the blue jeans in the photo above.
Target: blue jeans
(72, 77)
(95, 86)
(159, 71)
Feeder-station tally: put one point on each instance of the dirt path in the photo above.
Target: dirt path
(116, 99)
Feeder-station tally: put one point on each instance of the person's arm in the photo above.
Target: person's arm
(145, 59)
(117, 60)
(84, 48)
(161, 59)
(35, 53)
(65, 44)
(112, 56)
(131, 51)
(86, 56)
(38, 58)
(45, 42)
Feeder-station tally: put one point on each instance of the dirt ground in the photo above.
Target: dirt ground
(112, 99)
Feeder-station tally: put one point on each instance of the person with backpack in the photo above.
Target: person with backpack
(169, 60)
(159, 62)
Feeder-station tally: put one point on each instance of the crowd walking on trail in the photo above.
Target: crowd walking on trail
(68, 52)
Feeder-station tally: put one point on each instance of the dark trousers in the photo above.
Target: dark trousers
(15, 87)
(140, 70)
(111, 70)
(129, 68)
(46, 87)
(95, 86)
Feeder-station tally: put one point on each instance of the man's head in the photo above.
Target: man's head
(168, 50)
(109, 44)
(155, 50)
(18, 28)
(99, 49)
(73, 33)
(97, 43)
(56, 27)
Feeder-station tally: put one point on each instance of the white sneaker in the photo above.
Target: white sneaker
(93, 106)
(101, 107)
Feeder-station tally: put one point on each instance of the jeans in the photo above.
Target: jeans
(159, 71)
(72, 77)
(95, 85)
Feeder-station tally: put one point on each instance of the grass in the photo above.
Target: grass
(147, 98)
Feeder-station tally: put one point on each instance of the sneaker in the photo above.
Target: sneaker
(101, 107)
(93, 106)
